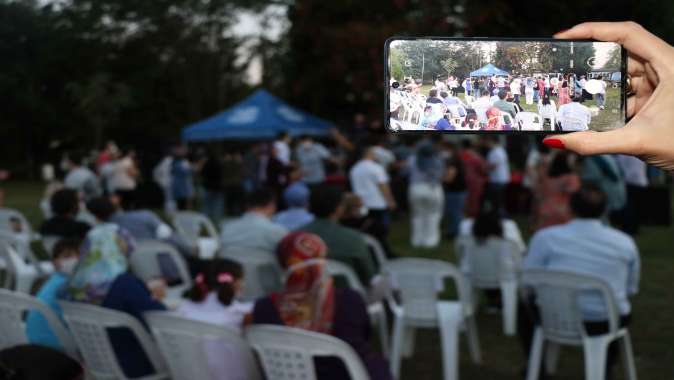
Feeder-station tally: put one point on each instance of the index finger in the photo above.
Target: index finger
(631, 35)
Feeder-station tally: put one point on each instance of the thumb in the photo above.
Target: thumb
(589, 142)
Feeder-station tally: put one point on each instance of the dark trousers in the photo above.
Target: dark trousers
(493, 197)
(528, 317)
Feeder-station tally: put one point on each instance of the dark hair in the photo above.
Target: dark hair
(217, 275)
(101, 207)
(260, 197)
(600, 77)
(589, 201)
(466, 144)
(559, 165)
(64, 245)
(486, 225)
(76, 157)
(565, 85)
(282, 135)
(546, 100)
(324, 200)
(502, 94)
(64, 202)
(443, 94)
(433, 93)
(19, 363)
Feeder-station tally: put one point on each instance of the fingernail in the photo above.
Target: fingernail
(554, 143)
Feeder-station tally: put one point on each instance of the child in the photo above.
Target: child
(65, 256)
(212, 299)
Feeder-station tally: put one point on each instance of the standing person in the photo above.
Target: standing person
(425, 195)
(547, 86)
(600, 97)
(281, 148)
(529, 90)
(541, 87)
(454, 184)
(515, 90)
(603, 171)
(124, 178)
(310, 157)
(468, 86)
(80, 178)
(577, 88)
(162, 176)
(499, 173)
(182, 188)
(556, 185)
(476, 177)
(585, 95)
(636, 180)
(370, 181)
(564, 97)
(211, 176)
(232, 180)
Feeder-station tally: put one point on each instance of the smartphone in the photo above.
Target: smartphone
(169, 269)
(499, 85)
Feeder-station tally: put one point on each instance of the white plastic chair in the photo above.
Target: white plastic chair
(14, 307)
(186, 346)
(144, 263)
(6, 214)
(376, 249)
(263, 274)
(494, 264)
(417, 282)
(529, 121)
(557, 294)
(89, 324)
(375, 306)
(287, 353)
(19, 275)
(189, 224)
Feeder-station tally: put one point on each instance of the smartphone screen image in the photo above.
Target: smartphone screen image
(169, 269)
(468, 85)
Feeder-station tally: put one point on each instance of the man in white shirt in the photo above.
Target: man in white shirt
(481, 105)
(282, 148)
(574, 116)
(370, 182)
(600, 97)
(81, 179)
(586, 246)
(499, 173)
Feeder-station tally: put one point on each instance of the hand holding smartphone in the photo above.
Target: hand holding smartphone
(469, 85)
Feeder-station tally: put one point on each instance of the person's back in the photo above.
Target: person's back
(310, 156)
(506, 106)
(574, 117)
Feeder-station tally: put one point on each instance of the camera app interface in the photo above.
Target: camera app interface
(450, 85)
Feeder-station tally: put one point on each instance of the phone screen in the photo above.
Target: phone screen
(169, 269)
(489, 85)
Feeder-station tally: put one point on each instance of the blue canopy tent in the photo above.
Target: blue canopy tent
(488, 70)
(259, 116)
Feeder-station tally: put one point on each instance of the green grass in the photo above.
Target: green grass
(653, 310)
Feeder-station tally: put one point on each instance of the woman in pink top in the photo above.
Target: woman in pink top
(563, 92)
(556, 184)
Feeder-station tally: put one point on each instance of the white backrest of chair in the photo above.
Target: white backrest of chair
(183, 343)
(490, 262)
(557, 294)
(145, 264)
(88, 325)
(262, 273)
(190, 224)
(7, 213)
(287, 353)
(376, 249)
(13, 311)
(418, 282)
(339, 269)
(15, 265)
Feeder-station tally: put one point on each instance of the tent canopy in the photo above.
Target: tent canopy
(488, 70)
(259, 116)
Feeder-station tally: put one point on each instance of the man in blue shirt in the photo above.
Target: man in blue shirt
(587, 246)
(65, 255)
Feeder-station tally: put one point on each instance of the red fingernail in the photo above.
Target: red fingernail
(554, 143)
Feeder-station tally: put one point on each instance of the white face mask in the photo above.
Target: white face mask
(67, 266)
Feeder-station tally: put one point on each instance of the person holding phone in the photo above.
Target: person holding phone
(649, 134)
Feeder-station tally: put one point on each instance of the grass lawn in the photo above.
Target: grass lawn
(653, 310)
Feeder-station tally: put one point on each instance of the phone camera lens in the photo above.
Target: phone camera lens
(395, 84)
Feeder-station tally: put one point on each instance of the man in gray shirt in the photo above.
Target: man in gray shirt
(505, 105)
(310, 155)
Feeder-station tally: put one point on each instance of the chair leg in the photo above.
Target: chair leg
(383, 331)
(595, 350)
(449, 320)
(628, 357)
(396, 345)
(535, 355)
(509, 297)
(473, 340)
(410, 338)
(551, 358)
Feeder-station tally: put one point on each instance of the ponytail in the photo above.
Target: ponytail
(218, 275)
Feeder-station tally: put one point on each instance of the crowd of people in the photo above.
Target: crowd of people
(492, 103)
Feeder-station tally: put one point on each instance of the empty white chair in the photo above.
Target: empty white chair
(557, 294)
(262, 273)
(287, 353)
(190, 224)
(19, 275)
(155, 259)
(14, 307)
(375, 306)
(88, 325)
(529, 121)
(188, 345)
(493, 264)
(418, 282)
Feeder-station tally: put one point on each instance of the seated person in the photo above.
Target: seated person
(254, 229)
(65, 255)
(491, 224)
(296, 197)
(504, 105)
(213, 298)
(574, 116)
(65, 206)
(344, 244)
(310, 301)
(103, 278)
(586, 246)
(34, 362)
(356, 216)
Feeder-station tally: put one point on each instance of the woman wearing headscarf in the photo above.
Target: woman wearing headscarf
(102, 278)
(426, 196)
(310, 301)
(494, 120)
